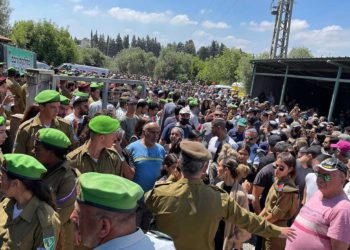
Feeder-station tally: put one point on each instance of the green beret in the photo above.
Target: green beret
(162, 101)
(139, 88)
(80, 94)
(169, 100)
(47, 96)
(64, 100)
(2, 63)
(190, 99)
(23, 166)
(109, 192)
(104, 125)
(53, 137)
(2, 121)
(195, 150)
(193, 103)
(96, 85)
(234, 106)
(171, 94)
(12, 69)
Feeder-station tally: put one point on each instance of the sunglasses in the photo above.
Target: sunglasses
(249, 138)
(281, 168)
(325, 177)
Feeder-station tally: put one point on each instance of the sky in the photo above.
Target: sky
(323, 26)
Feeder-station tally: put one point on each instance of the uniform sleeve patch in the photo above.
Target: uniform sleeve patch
(49, 243)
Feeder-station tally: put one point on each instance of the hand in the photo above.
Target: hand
(287, 232)
(8, 99)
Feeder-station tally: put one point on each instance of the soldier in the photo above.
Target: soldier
(105, 214)
(16, 90)
(96, 154)
(50, 148)
(49, 103)
(64, 106)
(27, 218)
(188, 210)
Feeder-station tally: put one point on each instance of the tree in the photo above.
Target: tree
(126, 42)
(203, 53)
(51, 44)
(119, 44)
(91, 57)
(244, 71)
(133, 42)
(263, 55)
(135, 61)
(173, 65)
(190, 48)
(5, 12)
(300, 52)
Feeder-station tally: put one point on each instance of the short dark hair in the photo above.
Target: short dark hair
(141, 104)
(153, 106)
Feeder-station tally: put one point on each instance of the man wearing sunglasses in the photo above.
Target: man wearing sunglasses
(323, 220)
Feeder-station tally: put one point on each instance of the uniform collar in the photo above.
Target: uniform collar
(124, 242)
(193, 181)
(30, 209)
(37, 121)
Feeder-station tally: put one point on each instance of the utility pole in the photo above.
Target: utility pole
(282, 9)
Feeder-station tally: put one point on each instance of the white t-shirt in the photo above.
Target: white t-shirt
(347, 190)
(311, 185)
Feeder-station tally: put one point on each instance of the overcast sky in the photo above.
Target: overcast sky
(323, 26)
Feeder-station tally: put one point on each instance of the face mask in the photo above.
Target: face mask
(184, 121)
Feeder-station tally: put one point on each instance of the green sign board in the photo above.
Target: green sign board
(20, 59)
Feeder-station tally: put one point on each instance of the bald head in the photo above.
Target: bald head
(151, 132)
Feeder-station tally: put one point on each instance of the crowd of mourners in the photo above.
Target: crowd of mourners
(167, 165)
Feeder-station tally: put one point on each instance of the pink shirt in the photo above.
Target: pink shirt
(319, 221)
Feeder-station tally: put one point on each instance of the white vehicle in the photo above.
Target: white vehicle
(41, 65)
(84, 69)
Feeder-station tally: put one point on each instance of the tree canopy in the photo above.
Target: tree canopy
(5, 12)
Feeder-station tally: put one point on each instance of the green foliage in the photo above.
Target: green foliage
(263, 55)
(244, 71)
(91, 57)
(173, 65)
(135, 61)
(52, 45)
(300, 52)
(5, 12)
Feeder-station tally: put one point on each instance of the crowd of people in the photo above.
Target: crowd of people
(185, 166)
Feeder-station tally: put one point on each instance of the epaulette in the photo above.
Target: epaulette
(160, 235)
(284, 187)
(216, 188)
(73, 153)
(162, 183)
(26, 123)
(62, 120)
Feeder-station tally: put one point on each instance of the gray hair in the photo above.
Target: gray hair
(252, 130)
(180, 130)
(189, 165)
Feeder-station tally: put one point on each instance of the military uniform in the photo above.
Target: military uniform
(36, 227)
(189, 210)
(24, 141)
(109, 161)
(283, 203)
(62, 181)
(16, 90)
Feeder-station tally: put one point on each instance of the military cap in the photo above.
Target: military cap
(81, 94)
(109, 192)
(83, 84)
(233, 106)
(104, 125)
(2, 121)
(47, 96)
(96, 85)
(162, 101)
(77, 99)
(23, 166)
(11, 69)
(190, 98)
(193, 103)
(171, 94)
(195, 150)
(242, 122)
(53, 137)
(64, 100)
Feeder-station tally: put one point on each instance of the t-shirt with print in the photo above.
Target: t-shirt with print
(319, 221)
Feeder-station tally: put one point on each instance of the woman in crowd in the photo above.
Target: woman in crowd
(282, 202)
(28, 219)
(176, 136)
(170, 170)
(231, 173)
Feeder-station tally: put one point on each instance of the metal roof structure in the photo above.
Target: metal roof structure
(328, 74)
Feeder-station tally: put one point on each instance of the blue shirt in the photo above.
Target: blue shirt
(148, 162)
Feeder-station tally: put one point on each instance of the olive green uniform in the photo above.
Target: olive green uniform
(282, 202)
(62, 182)
(109, 161)
(37, 226)
(24, 141)
(190, 212)
(16, 90)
